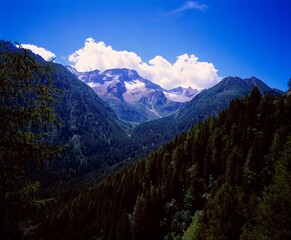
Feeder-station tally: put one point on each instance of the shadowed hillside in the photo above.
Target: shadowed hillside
(227, 178)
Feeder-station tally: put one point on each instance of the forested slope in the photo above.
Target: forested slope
(207, 103)
(94, 137)
(229, 177)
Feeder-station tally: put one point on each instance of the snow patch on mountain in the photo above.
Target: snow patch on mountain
(185, 95)
(135, 84)
(181, 94)
(93, 84)
(135, 91)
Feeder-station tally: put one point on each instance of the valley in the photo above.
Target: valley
(130, 95)
(138, 165)
(145, 120)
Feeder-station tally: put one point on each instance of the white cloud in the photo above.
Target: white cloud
(45, 54)
(187, 71)
(96, 55)
(189, 5)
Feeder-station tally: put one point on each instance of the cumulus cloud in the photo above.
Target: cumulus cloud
(96, 55)
(188, 5)
(45, 54)
(186, 71)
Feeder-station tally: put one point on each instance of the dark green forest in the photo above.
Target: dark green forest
(27, 117)
(226, 178)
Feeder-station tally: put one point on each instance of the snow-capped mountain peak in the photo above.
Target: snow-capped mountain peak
(133, 97)
(135, 84)
(123, 74)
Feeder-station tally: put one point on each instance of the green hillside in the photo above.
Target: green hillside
(207, 103)
(227, 178)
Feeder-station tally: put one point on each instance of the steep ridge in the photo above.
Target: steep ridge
(93, 136)
(97, 139)
(211, 101)
(208, 102)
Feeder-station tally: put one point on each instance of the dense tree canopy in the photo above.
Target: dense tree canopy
(26, 120)
(226, 178)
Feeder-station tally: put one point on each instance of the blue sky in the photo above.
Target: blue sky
(238, 37)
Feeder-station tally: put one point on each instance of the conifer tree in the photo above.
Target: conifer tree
(26, 119)
(273, 215)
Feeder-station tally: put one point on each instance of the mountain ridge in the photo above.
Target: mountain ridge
(94, 137)
(134, 99)
(206, 103)
(97, 139)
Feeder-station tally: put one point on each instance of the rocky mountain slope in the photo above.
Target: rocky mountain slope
(134, 98)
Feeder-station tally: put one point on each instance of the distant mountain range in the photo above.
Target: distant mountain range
(134, 98)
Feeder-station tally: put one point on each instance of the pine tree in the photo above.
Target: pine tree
(273, 215)
(26, 119)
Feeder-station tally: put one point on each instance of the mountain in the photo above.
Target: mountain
(206, 103)
(220, 179)
(134, 98)
(226, 178)
(213, 100)
(94, 137)
(97, 139)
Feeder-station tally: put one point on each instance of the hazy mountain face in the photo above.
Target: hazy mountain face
(134, 98)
